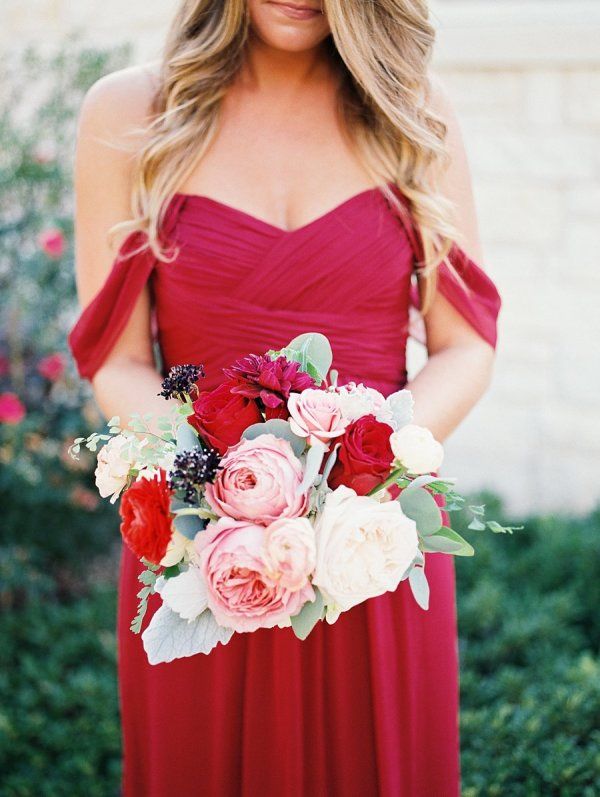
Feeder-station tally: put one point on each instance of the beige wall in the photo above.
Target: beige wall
(525, 80)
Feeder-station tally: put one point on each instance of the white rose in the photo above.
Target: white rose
(364, 548)
(112, 468)
(357, 400)
(417, 449)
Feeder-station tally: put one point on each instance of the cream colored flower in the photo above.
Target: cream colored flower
(417, 449)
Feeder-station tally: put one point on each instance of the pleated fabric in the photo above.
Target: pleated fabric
(367, 706)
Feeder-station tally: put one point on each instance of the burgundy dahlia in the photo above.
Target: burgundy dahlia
(259, 377)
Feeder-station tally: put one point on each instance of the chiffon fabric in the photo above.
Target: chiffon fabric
(367, 706)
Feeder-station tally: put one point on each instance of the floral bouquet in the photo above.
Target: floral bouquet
(279, 498)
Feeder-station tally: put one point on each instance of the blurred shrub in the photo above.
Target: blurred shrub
(47, 499)
(59, 724)
(530, 666)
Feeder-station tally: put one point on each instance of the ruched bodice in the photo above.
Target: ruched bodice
(366, 707)
(241, 284)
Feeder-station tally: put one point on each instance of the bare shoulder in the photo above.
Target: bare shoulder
(442, 106)
(455, 181)
(121, 99)
(112, 127)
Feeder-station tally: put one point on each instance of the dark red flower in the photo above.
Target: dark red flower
(221, 415)
(146, 524)
(364, 457)
(259, 377)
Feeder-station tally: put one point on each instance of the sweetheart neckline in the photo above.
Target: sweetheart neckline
(280, 230)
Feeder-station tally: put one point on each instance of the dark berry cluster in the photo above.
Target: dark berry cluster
(191, 469)
(180, 380)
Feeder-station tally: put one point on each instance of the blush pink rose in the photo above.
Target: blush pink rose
(290, 551)
(52, 242)
(240, 593)
(52, 367)
(258, 481)
(317, 415)
(11, 408)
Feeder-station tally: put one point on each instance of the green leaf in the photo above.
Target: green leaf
(171, 572)
(497, 528)
(477, 510)
(476, 525)
(308, 616)
(448, 541)
(278, 428)
(114, 421)
(419, 586)
(188, 525)
(315, 349)
(186, 438)
(420, 506)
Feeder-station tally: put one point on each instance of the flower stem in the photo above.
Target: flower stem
(391, 479)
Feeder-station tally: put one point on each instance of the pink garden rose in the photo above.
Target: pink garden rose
(240, 593)
(290, 552)
(52, 242)
(258, 481)
(317, 415)
(11, 408)
(52, 366)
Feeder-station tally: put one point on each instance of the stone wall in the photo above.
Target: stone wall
(525, 80)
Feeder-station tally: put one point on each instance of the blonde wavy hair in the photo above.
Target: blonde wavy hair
(382, 50)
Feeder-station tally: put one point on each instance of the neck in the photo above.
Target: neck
(266, 67)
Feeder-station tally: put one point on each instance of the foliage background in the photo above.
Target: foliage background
(529, 625)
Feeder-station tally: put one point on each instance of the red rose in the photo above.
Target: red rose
(221, 416)
(364, 457)
(146, 524)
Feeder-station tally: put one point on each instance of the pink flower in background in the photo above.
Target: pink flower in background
(240, 593)
(44, 152)
(52, 242)
(4, 365)
(52, 366)
(258, 481)
(11, 408)
(84, 498)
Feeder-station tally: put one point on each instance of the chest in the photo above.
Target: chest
(285, 165)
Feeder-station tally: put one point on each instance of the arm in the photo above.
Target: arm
(127, 381)
(460, 362)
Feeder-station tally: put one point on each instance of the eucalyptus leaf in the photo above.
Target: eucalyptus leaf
(420, 506)
(278, 428)
(186, 438)
(316, 349)
(476, 525)
(308, 616)
(419, 586)
(448, 541)
(189, 525)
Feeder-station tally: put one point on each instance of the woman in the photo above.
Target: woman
(292, 165)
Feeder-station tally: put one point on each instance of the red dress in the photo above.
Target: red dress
(367, 706)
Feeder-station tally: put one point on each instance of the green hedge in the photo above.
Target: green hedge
(530, 671)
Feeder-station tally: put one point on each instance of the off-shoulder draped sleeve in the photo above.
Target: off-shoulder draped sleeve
(101, 322)
(461, 281)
